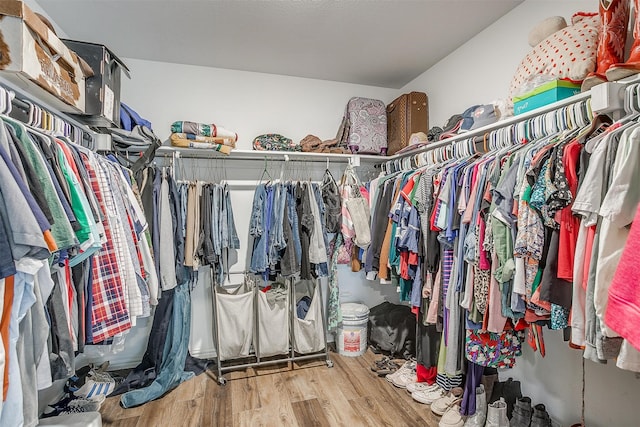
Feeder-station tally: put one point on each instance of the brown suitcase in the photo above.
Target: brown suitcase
(407, 114)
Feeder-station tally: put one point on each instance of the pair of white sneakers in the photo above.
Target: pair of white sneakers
(404, 376)
(443, 403)
(426, 393)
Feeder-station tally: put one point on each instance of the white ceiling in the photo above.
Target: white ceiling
(370, 42)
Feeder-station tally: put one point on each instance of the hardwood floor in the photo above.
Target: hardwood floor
(310, 394)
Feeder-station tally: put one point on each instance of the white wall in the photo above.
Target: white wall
(246, 102)
(250, 104)
(479, 72)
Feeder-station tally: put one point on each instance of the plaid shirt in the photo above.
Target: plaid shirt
(127, 250)
(109, 313)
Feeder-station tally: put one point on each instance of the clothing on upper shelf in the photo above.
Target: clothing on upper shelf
(186, 142)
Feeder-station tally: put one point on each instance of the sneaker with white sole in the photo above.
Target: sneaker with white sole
(96, 384)
(440, 406)
(428, 396)
(404, 379)
(413, 387)
(407, 368)
(452, 417)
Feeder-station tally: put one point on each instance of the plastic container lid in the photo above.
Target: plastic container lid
(352, 310)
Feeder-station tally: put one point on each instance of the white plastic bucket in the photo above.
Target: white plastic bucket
(352, 332)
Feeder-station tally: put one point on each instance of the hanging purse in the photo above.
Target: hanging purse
(331, 199)
(358, 208)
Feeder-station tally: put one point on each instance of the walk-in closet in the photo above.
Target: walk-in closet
(319, 213)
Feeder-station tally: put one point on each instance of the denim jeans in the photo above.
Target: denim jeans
(171, 372)
(234, 241)
(276, 233)
(322, 269)
(257, 229)
(143, 374)
(215, 220)
(293, 220)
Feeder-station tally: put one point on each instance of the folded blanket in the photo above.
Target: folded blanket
(187, 143)
(212, 139)
(203, 130)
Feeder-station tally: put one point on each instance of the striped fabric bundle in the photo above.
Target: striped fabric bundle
(176, 141)
(201, 129)
(230, 142)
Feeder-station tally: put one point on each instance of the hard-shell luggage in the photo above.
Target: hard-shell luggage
(407, 114)
(364, 126)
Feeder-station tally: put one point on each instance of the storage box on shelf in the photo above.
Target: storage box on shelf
(35, 59)
(103, 88)
(545, 94)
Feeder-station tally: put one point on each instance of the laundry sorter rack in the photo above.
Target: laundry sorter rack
(249, 331)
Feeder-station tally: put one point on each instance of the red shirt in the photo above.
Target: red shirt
(569, 223)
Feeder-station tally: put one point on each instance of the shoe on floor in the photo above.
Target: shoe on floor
(440, 406)
(522, 411)
(96, 383)
(540, 417)
(428, 396)
(404, 379)
(424, 386)
(72, 405)
(384, 366)
(408, 367)
(452, 417)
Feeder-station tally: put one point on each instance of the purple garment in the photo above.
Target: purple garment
(447, 267)
(474, 378)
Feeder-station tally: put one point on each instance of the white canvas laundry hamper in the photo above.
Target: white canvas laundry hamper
(352, 332)
(201, 340)
(273, 323)
(308, 333)
(235, 321)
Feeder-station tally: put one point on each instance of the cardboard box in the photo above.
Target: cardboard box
(545, 94)
(36, 60)
(103, 88)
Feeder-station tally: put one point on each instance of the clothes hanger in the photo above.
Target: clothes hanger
(3, 101)
(265, 172)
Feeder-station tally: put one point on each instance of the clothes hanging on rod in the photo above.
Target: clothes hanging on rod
(471, 239)
(29, 111)
(193, 230)
(295, 227)
(288, 230)
(76, 265)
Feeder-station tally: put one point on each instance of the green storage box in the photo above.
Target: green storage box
(545, 94)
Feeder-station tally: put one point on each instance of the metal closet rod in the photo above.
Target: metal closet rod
(276, 156)
(21, 98)
(510, 121)
(497, 125)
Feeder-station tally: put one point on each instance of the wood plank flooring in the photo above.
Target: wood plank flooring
(310, 394)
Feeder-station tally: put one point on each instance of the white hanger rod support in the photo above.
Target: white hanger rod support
(167, 151)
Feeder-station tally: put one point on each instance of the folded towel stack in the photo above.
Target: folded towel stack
(204, 136)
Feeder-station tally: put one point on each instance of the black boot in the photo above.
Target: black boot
(540, 417)
(521, 416)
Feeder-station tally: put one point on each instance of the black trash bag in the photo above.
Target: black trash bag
(392, 330)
